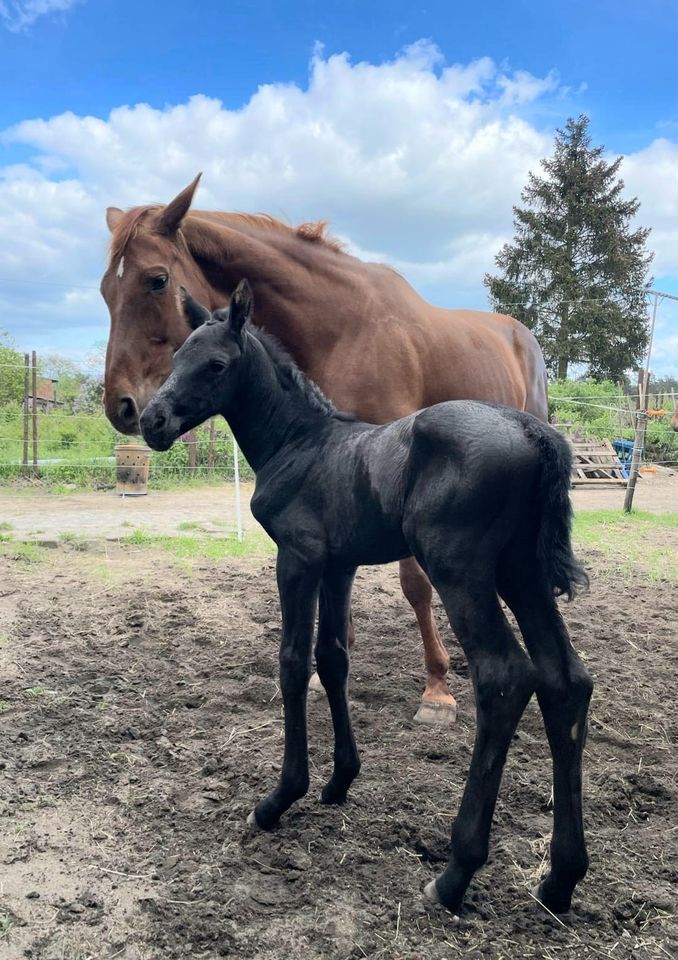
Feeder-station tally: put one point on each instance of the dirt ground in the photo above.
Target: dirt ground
(140, 720)
(36, 515)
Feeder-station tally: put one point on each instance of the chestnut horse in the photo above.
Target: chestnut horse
(359, 330)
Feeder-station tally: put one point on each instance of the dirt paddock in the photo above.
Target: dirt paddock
(140, 720)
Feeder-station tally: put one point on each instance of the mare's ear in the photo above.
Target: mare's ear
(194, 312)
(241, 306)
(176, 210)
(113, 217)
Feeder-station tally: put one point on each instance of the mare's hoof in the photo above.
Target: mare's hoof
(436, 714)
(315, 685)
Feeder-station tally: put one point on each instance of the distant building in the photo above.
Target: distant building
(46, 398)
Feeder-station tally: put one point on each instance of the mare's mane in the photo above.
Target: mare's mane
(198, 237)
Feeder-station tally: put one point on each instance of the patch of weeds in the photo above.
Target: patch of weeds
(628, 541)
(187, 550)
(138, 537)
(188, 525)
(25, 552)
(6, 921)
(6, 525)
(4, 706)
(6, 538)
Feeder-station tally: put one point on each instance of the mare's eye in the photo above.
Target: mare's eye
(216, 366)
(158, 283)
(158, 340)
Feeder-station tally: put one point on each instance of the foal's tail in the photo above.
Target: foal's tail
(554, 542)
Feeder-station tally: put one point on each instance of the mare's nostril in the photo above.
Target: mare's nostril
(127, 411)
(160, 420)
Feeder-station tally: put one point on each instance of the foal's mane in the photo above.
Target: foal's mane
(292, 379)
(197, 237)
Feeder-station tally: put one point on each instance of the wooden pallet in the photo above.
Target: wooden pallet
(596, 462)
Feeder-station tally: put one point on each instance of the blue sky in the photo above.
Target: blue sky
(493, 80)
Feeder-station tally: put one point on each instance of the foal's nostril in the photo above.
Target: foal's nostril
(127, 411)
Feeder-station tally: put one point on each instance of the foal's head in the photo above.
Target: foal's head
(204, 372)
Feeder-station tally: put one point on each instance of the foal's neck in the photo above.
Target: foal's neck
(272, 406)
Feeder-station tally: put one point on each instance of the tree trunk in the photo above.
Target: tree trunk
(563, 353)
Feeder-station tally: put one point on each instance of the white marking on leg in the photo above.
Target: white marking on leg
(574, 732)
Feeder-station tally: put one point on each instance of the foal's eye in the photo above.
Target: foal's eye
(158, 283)
(216, 366)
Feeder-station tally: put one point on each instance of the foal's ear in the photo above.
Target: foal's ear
(176, 210)
(194, 312)
(241, 306)
(113, 217)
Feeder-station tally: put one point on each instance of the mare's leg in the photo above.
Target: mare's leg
(315, 683)
(503, 680)
(331, 654)
(298, 586)
(438, 707)
(564, 688)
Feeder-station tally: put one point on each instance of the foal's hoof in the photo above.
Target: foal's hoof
(431, 894)
(260, 821)
(433, 713)
(315, 684)
(554, 902)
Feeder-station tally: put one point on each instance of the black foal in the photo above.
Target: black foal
(477, 493)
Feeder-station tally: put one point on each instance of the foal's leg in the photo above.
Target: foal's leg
(298, 585)
(331, 654)
(503, 680)
(564, 688)
(315, 683)
(438, 706)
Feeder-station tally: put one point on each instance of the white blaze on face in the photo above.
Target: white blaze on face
(121, 268)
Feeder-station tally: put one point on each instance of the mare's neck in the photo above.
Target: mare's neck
(292, 279)
(265, 414)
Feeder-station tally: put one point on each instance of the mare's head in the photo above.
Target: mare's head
(149, 263)
(204, 373)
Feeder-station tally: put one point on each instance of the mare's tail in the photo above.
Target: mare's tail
(554, 543)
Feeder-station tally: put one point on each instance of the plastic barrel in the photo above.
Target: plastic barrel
(132, 461)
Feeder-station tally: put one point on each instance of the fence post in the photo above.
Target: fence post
(27, 374)
(35, 414)
(238, 504)
(210, 449)
(638, 439)
(192, 449)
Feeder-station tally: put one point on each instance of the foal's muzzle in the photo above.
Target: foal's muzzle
(159, 427)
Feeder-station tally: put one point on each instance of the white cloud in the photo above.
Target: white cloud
(20, 14)
(412, 161)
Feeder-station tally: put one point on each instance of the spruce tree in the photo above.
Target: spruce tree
(576, 271)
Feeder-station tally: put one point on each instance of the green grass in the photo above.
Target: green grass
(629, 541)
(188, 525)
(27, 552)
(5, 925)
(6, 525)
(189, 549)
